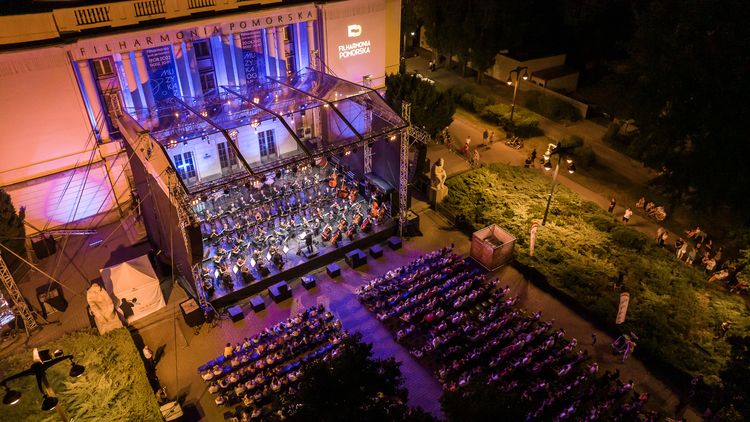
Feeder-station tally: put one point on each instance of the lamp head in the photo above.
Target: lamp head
(525, 76)
(49, 403)
(11, 396)
(509, 82)
(572, 168)
(547, 165)
(76, 370)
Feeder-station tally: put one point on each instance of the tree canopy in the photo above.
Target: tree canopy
(12, 231)
(688, 67)
(353, 386)
(431, 109)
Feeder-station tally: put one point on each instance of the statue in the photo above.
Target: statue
(103, 309)
(438, 175)
(438, 190)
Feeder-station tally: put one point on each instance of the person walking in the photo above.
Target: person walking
(492, 136)
(475, 158)
(682, 251)
(626, 216)
(691, 256)
(612, 204)
(593, 339)
(485, 136)
(629, 348)
(148, 355)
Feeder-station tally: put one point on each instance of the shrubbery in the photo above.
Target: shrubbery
(580, 252)
(113, 388)
(525, 123)
(550, 107)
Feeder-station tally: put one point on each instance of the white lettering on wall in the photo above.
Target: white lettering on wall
(354, 49)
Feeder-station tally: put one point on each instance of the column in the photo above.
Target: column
(135, 93)
(230, 58)
(223, 75)
(183, 69)
(140, 65)
(272, 69)
(239, 59)
(193, 69)
(280, 50)
(311, 46)
(89, 86)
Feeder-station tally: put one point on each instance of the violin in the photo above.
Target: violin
(352, 230)
(374, 209)
(326, 235)
(335, 238)
(366, 225)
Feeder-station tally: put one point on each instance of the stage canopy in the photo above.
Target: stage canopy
(245, 131)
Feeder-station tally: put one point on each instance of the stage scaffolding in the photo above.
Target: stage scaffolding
(313, 116)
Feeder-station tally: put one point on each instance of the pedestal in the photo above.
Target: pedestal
(437, 195)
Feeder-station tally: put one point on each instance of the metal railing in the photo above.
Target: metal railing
(148, 8)
(91, 15)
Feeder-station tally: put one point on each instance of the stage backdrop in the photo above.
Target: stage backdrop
(135, 287)
(355, 38)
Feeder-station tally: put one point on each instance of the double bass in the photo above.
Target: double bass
(335, 238)
(351, 231)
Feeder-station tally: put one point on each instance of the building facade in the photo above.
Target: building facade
(66, 74)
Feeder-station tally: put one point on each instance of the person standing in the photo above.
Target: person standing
(691, 256)
(682, 251)
(492, 136)
(629, 348)
(148, 355)
(612, 204)
(475, 158)
(626, 216)
(485, 136)
(593, 339)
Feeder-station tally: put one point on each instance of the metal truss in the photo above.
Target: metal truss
(410, 136)
(22, 309)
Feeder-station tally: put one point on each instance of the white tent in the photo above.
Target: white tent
(135, 287)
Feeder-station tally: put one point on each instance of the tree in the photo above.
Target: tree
(353, 386)
(483, 402)
(688, 66)
(735, 375)
(12, 231)
(442, 20)
(431, 109)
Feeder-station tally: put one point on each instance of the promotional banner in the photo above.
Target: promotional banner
(252, 56)
(355, 39)
(622, 310)
(162, 73)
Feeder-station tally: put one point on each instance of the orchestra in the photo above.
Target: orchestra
(248, 230)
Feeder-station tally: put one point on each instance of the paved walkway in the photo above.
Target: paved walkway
(467, 124)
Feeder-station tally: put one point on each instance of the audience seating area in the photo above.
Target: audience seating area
(250, 373)
(466, 329)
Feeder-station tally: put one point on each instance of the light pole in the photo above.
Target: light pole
(403, 54)
(560, 151)
(39, 370)
(524, 76)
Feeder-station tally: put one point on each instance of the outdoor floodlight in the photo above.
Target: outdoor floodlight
(49, 403)
(572, 168)
(548, 165)
(76, 370)
(11, 396)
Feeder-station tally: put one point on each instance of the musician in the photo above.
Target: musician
(353, 196)
(366, 225)
(213, 233)
(342, 224)
(277, 258)
(335, 238)
(226, 277)
(235, 249)
(333, 180)
(374, 209)
(351, 231)
(327, 233)
(357, 218)
(241, 261)
(258, 216)
(246, 275)
(208, 285)
(309, 241)
(344, 190)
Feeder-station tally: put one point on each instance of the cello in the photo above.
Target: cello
(334, 180)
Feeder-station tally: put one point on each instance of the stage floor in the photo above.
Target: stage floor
(297, 265)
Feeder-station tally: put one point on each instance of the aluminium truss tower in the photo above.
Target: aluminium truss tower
(21, 308)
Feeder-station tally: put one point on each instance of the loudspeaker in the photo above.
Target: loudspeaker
(44, 247)
(192, 313)
(195, 237)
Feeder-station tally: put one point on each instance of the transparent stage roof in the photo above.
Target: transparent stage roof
(250, 130)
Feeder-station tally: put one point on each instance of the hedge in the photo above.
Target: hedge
(580, 252)
(114, 386)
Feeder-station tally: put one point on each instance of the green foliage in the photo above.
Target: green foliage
(694, 133)
(114, 386)
(431, 109)
(582, 249)
(352, 386)
(483, 402)
(525, 123)
(551, 107)
(12, 231)
(737, 374)
(583, 154)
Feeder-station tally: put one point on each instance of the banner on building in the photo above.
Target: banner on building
(622, 310)
(162, 73)
(252, 56)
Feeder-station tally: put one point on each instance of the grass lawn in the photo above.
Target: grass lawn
(113, 388)
(580, 252)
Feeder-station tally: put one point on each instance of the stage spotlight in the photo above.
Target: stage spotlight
(393, 137)
(171, 143)
(11, 396)
(49, 403)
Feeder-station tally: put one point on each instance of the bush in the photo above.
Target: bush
(114, 386)
(580, 252)
(525, 123)
(551, 107)
(583, 154)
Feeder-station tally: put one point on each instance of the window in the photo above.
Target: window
(287, 33)
(266, 143)
(202, 49)
(291, 64)
(185, 165)
(103, 66)
(208, 82)
(227, 157)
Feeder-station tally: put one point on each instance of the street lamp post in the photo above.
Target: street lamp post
(524, 76)
(38, 369)
(403, 54)
(560, 151)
